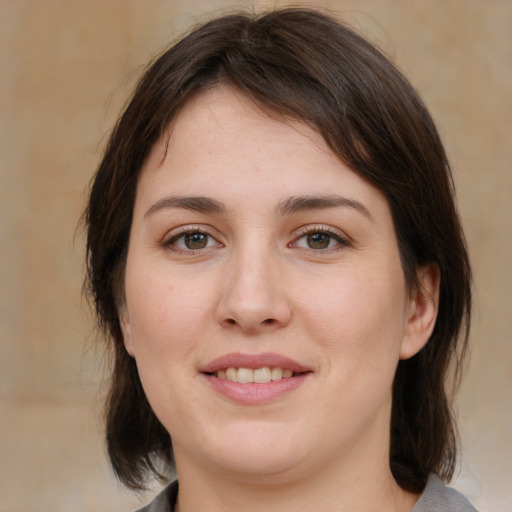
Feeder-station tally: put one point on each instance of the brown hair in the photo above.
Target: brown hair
(304, 65)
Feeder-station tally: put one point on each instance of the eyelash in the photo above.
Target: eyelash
(171, 242)
(321, 230)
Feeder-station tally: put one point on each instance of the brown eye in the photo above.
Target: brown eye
(194, 241)
(318, 240)
(191, 241)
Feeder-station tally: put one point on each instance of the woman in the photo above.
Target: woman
(275, 255)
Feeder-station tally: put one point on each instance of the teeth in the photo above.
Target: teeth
(260, 375)
(287, 374)
(245, 375)
(231, 374)
(277, 373)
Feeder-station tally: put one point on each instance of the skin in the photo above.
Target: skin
(342, 310)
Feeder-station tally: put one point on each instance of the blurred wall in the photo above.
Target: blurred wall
(65, 71)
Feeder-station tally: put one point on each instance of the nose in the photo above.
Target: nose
(253, 297)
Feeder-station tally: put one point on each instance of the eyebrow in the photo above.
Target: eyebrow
(197, 204)
(299, 204)
(289, 206)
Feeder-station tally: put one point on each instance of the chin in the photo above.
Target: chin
(275, 470)
(259, 455)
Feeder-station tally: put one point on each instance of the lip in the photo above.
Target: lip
(254, 393)
(253, 361)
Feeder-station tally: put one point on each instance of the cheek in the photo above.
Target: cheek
(165, 313)
(166, 323)
(359, 318)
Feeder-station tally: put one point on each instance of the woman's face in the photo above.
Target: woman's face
(254, 253)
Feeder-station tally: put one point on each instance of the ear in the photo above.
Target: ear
(124, 322)
(422, 311)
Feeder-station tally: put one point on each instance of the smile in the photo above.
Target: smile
(258, 375)
(251, 379)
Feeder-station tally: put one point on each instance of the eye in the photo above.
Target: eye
(319, 239)
(191, 241)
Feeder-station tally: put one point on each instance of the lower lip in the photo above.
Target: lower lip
(255, 393)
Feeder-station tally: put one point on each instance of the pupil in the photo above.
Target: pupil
(196, 240)
(318, 241)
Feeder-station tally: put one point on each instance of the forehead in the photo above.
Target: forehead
(222, 145)
(223, 115)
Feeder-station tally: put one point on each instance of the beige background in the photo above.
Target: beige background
(65, 69)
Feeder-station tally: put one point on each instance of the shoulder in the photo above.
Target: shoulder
(435, 498)
(439, 498)
(164, 501)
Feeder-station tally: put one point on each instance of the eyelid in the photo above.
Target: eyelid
(339, 236)
(175, 234)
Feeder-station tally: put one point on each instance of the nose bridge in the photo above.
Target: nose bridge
(253, 296)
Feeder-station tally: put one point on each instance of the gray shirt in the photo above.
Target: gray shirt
(438, 497)
(435, 498)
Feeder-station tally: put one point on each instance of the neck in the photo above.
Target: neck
(351, 487)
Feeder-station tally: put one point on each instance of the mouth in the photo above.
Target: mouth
(259, 375)
(252, 379)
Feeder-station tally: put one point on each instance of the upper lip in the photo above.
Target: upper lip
(253, 361)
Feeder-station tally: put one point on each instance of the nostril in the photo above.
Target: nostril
(268, 321)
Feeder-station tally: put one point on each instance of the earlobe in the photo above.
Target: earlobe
(422, 313)
(124, 322)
